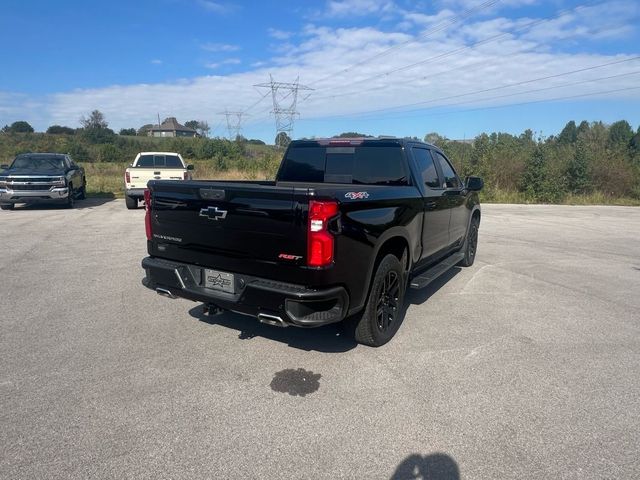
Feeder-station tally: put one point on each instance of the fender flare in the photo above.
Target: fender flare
(395, 232)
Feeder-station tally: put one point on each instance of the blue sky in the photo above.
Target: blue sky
(390, 67)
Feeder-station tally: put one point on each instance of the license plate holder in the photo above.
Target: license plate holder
(220, 281)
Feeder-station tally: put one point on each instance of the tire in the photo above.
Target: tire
(83, 193)
(132, 203)
(71, 199)
(470, 247)
(7, 206)
(382, 316)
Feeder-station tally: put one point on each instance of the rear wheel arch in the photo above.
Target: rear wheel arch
(397, 246)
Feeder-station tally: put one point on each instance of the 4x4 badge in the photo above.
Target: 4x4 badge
(213, 213)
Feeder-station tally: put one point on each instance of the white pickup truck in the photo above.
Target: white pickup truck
(152, 166)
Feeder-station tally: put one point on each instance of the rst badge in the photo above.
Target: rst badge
(356, 195)
(288, 256)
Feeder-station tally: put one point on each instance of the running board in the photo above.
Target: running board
(434, 272)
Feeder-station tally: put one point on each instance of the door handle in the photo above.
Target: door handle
(430, 205)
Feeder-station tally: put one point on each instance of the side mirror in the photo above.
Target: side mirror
(4, 167)
(474, 184)
(190, 167)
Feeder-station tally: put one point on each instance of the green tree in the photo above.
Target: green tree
(95, 120)
(434, 139)
(635, 141)
(577, 174)
(282, 140)
(200, 126)
(18, 127)
(620, 134)
(95, 128)
(569, 133)
(351, 135)
(127, 131)
(60, 130)
(143, 131)
(203, 128)
(583, 128)
(97, 135)
(532, 182)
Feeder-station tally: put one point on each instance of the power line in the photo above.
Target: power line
(537, 90)
(508, 85)
(431, 75)
(442, 25)
(569, 97)
(485, 41)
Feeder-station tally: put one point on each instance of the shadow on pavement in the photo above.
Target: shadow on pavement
(89, 202)
(330, 338)
(437, 466)
(416, 297)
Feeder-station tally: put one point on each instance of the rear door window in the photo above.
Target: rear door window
(451, 180)
(427, 167)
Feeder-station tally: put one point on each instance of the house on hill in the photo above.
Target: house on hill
(171, 128)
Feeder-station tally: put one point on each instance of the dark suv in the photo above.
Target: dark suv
(41, 177)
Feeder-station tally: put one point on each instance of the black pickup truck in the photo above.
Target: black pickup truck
(42, 177)
(347, 226)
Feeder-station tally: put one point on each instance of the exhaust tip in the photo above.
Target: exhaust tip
(165, 293)
(273, 320)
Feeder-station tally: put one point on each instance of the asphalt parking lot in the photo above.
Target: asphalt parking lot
(526, 365)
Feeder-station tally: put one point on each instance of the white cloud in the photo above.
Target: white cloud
(228, 61)
(355, 8)
(156, 61)
(219, 47)
(216, 7)
(355, 70)
(279, 34)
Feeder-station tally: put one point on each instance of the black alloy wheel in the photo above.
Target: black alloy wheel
(387, 305)
(382, 315)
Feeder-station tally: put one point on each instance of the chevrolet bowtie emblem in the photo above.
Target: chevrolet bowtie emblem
(213, 213)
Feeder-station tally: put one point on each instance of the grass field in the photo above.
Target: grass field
(107, 179)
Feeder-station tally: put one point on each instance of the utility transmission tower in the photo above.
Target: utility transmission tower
(234, 123)
(285, 101)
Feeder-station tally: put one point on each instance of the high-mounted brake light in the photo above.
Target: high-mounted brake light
(320, 241)
(147, 213)
(340, 141)
(127, 176)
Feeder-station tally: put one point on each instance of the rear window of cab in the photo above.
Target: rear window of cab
(361, 164)
(159, 161)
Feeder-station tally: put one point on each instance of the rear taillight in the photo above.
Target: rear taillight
(320, 241)
(147, 213)
(127, 177)
(186, 176)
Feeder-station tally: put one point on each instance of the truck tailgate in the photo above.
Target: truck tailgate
(235, 219)
(140, 176)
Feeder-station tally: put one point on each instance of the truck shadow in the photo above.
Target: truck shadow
(89, 202)
(416, 297)
(328, 339)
